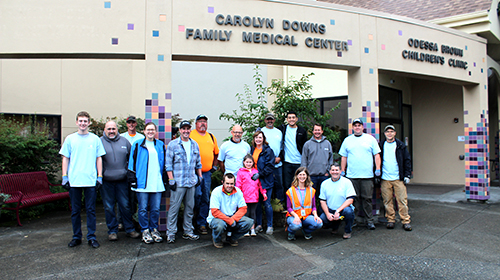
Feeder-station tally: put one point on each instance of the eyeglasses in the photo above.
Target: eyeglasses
(238, 132)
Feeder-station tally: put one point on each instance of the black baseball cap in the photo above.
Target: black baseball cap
(199, 117)
(357, 121)
(184, 123)
(389, 127)
(131, 119)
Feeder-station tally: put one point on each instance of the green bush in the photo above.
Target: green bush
(26, 147)
(97, 126)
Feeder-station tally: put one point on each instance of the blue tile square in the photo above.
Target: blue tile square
(156, 33)
(161, 57)
(367, 50)
(107, 5)
(332, 22)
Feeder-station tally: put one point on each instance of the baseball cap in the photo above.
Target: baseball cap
(389, 127)
(269, 116)
(131, 119)
(357, 121)
(184, 123)
(201, 117)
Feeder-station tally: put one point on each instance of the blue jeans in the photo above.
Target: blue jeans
(75, 195)
(202, 199)
(278, 185)
(288, 173)
(153, 201)
(267, 207)
(308, 225)
(317, 180)
(348, 214)
(116, 192)
(218, 227)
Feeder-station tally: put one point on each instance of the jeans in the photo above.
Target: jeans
(202, 199)
(116, 192)
(288, 173)
(268, 208)
(317, 180)
(398, 189)
(363, 201)
(348, 214)
(278, 185)
(218, 227)
(75, 195)
(308, 225)
(152, 200)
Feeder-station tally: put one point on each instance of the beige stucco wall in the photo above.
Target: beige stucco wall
(435, 136)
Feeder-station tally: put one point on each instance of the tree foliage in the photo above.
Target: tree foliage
(26, 147)
(97, 126)
(294, 96)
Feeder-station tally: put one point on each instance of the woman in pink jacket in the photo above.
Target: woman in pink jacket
(249, 184)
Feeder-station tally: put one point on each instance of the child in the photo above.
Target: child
(250, 185)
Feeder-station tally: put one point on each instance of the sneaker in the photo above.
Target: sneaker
(291, 236)
(113, 237)
(259, 228)
(407, 227)
(190, 236)
(253, 233)
(203, 230)
(308, 236)
(146, 237)
(346, 235)
(269, 231)
(74, 242)
(247, 234)
(218, 245)
(171, 239)
(370, 226)
(121, 227)
(233, 243)
(390, 225)
(156, 236)
(133, 234)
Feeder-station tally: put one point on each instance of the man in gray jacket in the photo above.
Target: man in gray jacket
(114, 184)
(317, 156)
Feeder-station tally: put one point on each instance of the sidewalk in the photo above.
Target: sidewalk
(451, 239)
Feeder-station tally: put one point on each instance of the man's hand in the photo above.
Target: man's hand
(329, 216)
(336, 216)
(172, 184)
(65, 182)
(233, 224)
(200, 179)
(342, 173)
(255, 176)
(407, 180)
(277, 160)
(265, 197)
(378, 173)
(98, 183)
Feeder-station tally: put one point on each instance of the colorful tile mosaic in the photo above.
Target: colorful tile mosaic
(157, 114)
(496, 163)
(477, 177)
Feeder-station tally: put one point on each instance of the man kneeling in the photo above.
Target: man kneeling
(227, 212)
(336, 197)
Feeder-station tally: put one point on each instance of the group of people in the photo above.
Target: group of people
(134, 167)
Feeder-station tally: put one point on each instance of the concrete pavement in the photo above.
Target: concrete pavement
(450, 240)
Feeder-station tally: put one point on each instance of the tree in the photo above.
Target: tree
(253, 107)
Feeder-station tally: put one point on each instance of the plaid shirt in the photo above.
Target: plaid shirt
(176, 161)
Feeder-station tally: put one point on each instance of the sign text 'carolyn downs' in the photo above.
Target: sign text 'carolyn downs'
(423, 45)
(269, 38)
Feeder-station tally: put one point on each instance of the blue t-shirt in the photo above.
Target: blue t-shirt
(131, 139)
(154, 182)
(82, 151)
(335, 193)
(292, 154)
(390, 169)
(274, 137)
(227, 204)
(359, 151)
(232, 155)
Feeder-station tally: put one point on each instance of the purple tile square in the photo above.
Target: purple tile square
(114, 41)
(162, 121)
(210, 10)
(349, 104)
(400, 32)
(161, 135)
(161, 109)
(466, 112)
(339, 54)
(376, 103)
(168, 115)
(130, 26)
(148, 109)
(148, 120)
(155, 102)
(168, 96)
(349, 42)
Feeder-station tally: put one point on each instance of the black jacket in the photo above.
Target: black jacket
(402, 157)
(300, 138)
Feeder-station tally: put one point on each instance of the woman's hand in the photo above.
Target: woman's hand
(296, 220)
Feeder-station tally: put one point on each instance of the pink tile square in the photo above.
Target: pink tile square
(182, 28)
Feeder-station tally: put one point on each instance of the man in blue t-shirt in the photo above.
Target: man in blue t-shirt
(359, 151)
(82, 171)
(232, 152)
(294, 138)
(396, 172)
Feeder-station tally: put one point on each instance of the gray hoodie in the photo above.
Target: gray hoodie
(317, 156)
(115, 161)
